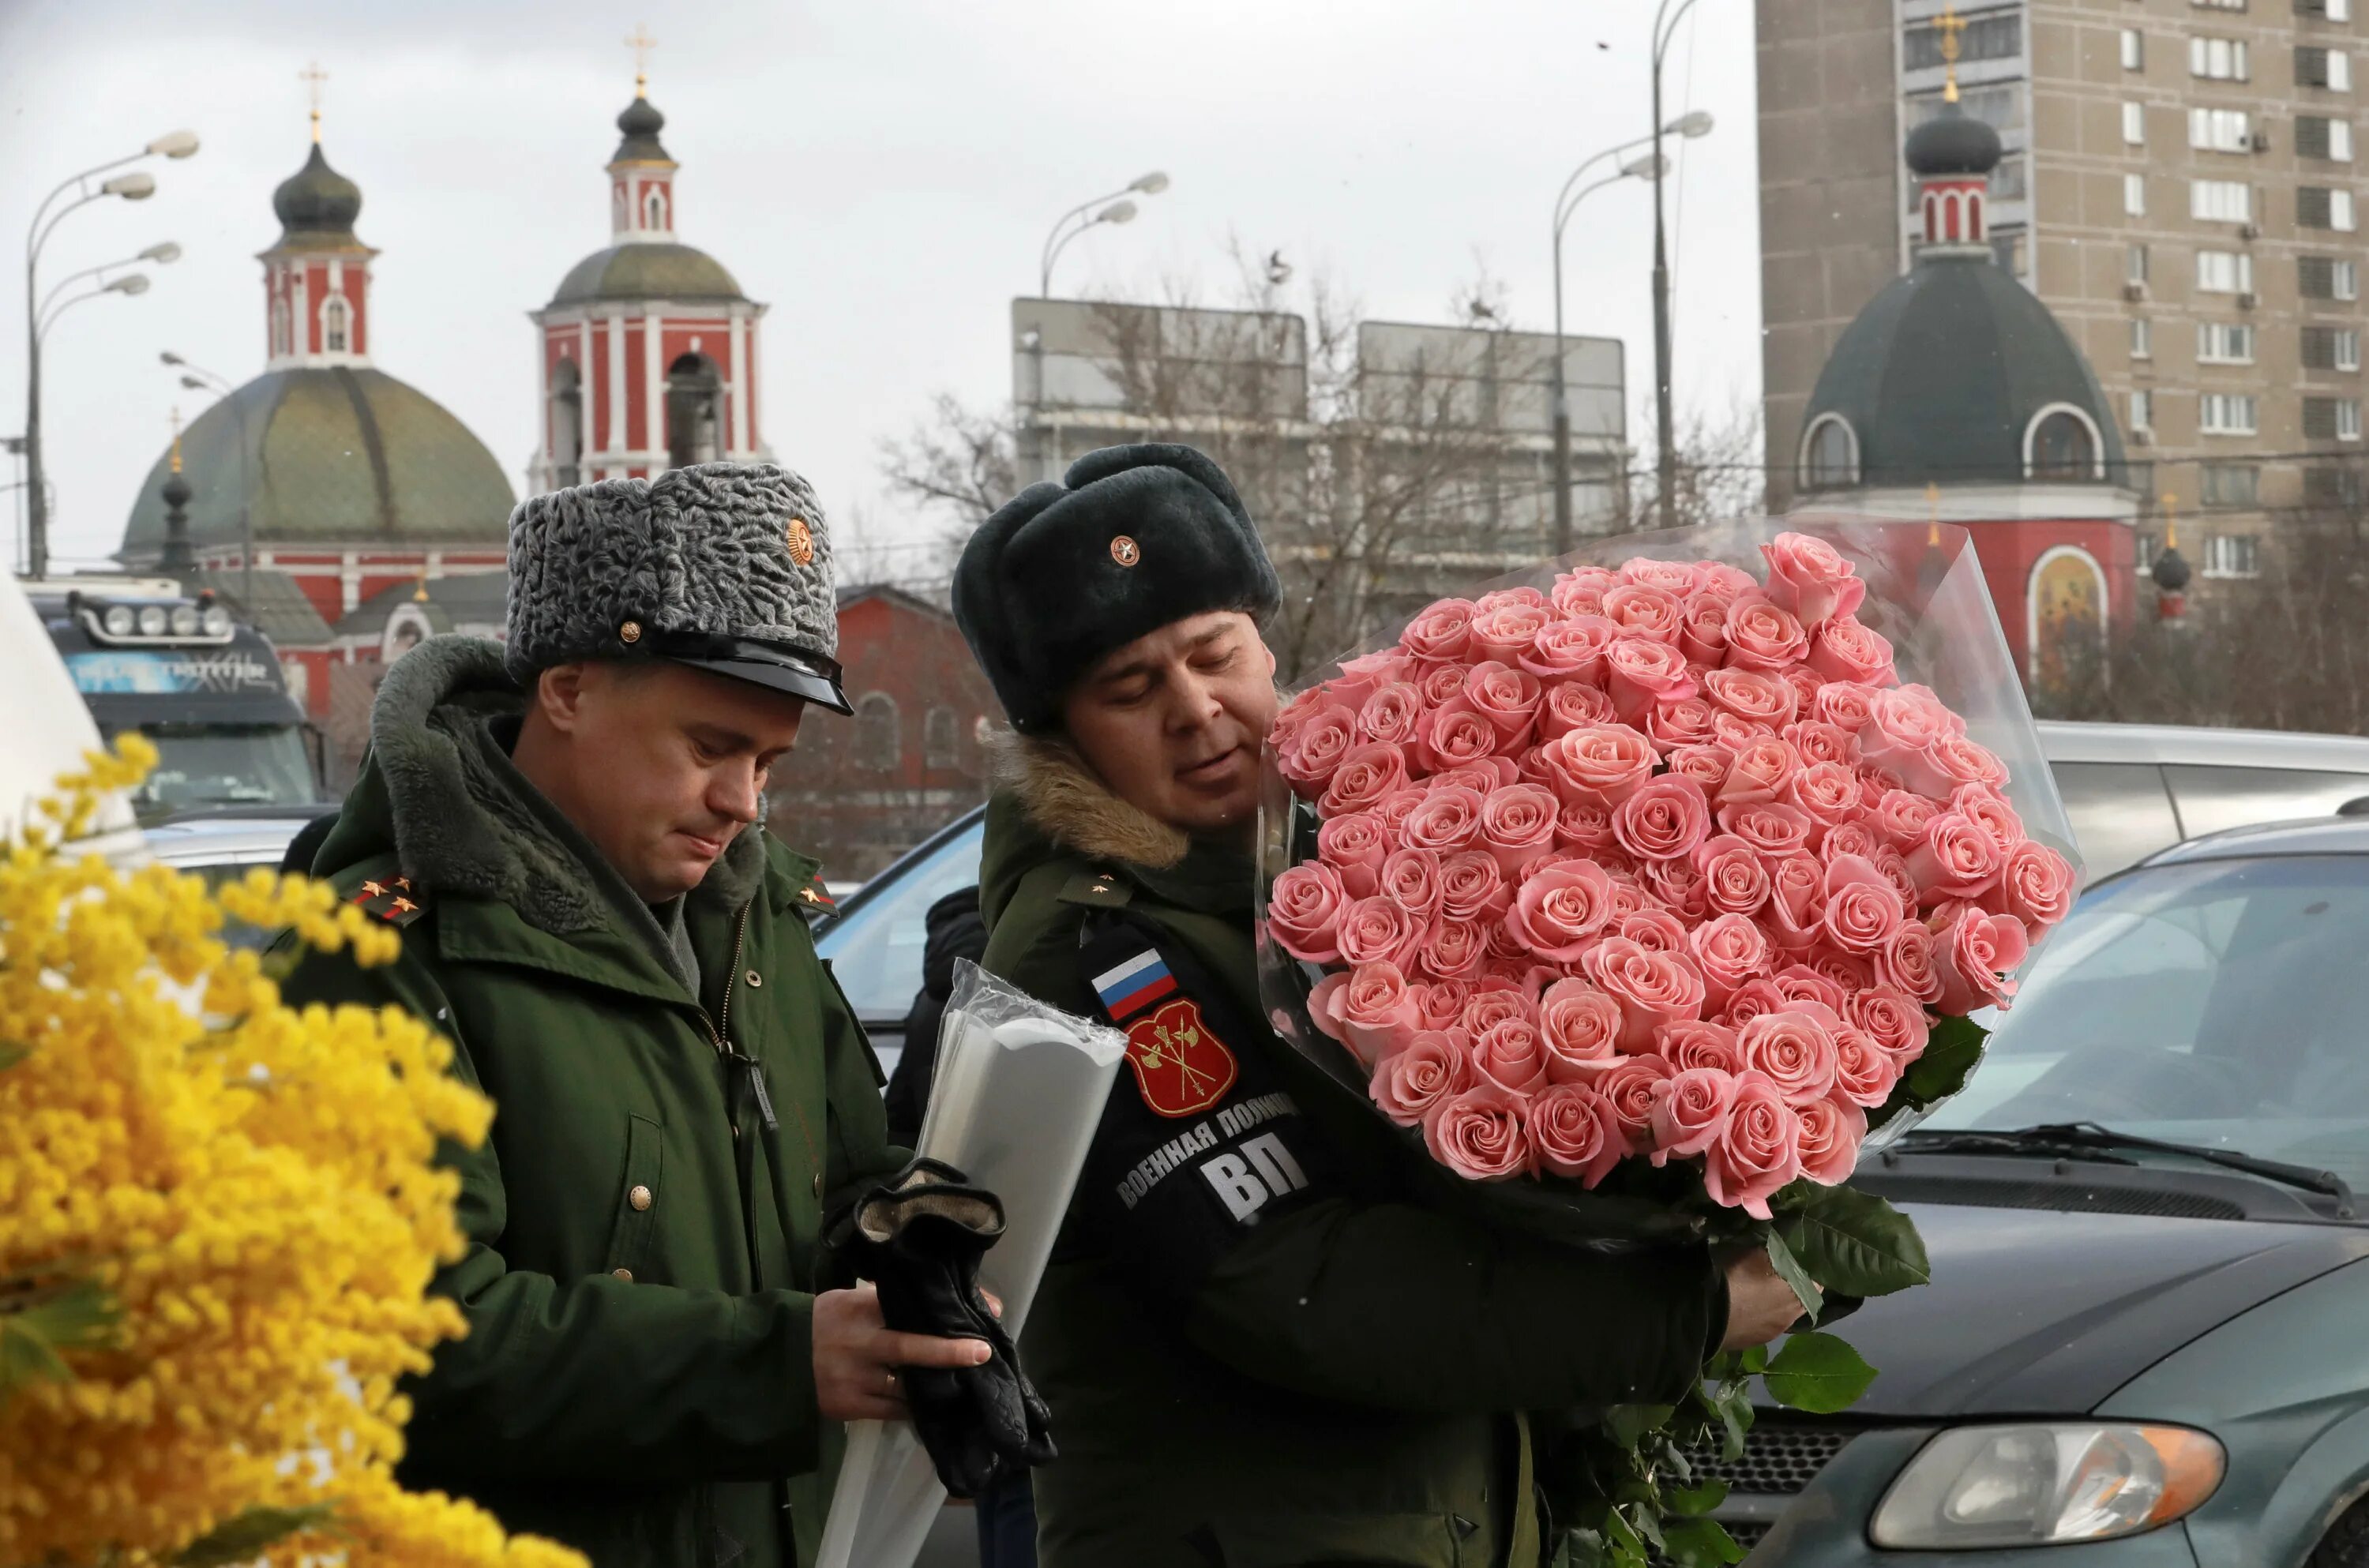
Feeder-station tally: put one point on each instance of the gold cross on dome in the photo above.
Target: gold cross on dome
(641, 43)
(312, 76)
(1948, 24)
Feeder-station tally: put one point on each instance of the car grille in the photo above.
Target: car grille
(1780, 1459)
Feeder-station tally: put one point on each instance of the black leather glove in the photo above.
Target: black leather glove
(918, 1236)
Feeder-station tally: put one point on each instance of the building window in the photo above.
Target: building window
(654, 211)
(2317, 137)
(2135, 124)
(2007, 179)
(2220, 58)
(941, 738)
(2230, 484)
(2229, 556)
(566, 425)
(2144, 546)
(2142, 409)
(2331, 349)
(2134, 195)
(695, 411)
(1830, 454)
(2220, 130)
(2134, 262)
(2317, 67)
(2225, 272)
(879, 745)
(2224, 343)
(2133, 50)
(2220, 200)
(2327, 277)
(2001, 109)
(2142, 338)
(2318, 207)
(335, 316)
(279, 327)
(2332, 10)
(2226, 413)
(2061, 444)
(1997, 37)
(2332, 418)
(2332, 486)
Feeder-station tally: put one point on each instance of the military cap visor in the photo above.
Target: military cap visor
(799, 672)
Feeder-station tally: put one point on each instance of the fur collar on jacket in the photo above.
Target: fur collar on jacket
(1070, 806)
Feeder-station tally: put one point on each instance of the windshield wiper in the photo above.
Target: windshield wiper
(2094, 1141)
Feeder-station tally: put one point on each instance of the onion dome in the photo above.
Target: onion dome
(641, 122)
(1952, 143)
(318, 205)
(2170, 570)
(647, 270)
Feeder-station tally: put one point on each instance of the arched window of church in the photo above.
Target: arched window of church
(654, 210)
(941, 738)
(617, 205)
(1830, 454)
(695, 411)
(566, 425)
(279, 327)
(2062, 444)
(878, 744)
(335, 316)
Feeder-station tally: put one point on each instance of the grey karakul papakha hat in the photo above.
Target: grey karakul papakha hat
(1134, 538)
(725, 567)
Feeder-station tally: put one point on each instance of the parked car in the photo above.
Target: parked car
(225, 844)
(2150, 1264)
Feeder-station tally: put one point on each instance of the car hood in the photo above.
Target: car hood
(2041, 1312)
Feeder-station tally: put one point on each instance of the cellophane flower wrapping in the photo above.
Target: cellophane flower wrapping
(1644, 886)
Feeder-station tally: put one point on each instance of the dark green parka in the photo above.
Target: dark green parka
(637, 1378)
(1264, 1339)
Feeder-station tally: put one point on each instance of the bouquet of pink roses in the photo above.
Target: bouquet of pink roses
(1650, 891)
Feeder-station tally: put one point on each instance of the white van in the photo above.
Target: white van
(48, 726)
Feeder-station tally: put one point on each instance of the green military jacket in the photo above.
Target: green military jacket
(642, 1225)
(1265, 1338)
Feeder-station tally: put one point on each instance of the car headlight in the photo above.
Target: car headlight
(216, 620)
(185, 620)
(154, 621)
(2042, 1485)
(119, 621)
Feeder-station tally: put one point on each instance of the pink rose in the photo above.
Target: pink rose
(1957, 860)
(1827, 792)
(1910, 963)
(1318, 746)
(1752, 1000)
(1900, 733)
(1855, 838)
(1962, 762)
(1441, 683)
(1830, 1137)
(1892, 1019)
(1511, 1056)
(1354, 846)
(1689, 721)
(1736, 877)
(1573, 705)
(1440, 1005)
(1864, 1071)
(1664, 818)
(1901, 817)
(1583, 579)
(1818, 741)
(1367, 1009)
(1642, 611)
(1392, 715)
(1479, 1135)
(1481, 777)
(1428, 1068)
(1797, 901)
(1757, 1151)
(1655, 931)
(1759, 773)
(1848, 972)
(1518, 824)
(1680, 885)
(1396, 807)
(1606, 763)
(1707, 764)
(1734, 733)
(2036, 886)
(1448, 820)
(1753, 696)
(1690, 1046)
(1379, 931)
(1576, 1133)
(1630, 1086)
(1472, 886)
(1361, 677)
(1761, 636)
(1507, 698)
(1455, 950)
(1571, 650)
(1771, 827)
(1441, 632)
(1493, 1005)
(1640, 672)
(1506, 631)
(1580, 1028)
(1303, 909)
(1729, 949)
(1863, 909)
(1561, 912)
(1844, 650)
(1804, 985)
(1499, 598)
(1976, 955)
(1409, 879)
(1844, 707)
(1455, 735)
(1703, 628)
(1366, 775)
(1675, 577)
(1691, 1114)
(1811, 578)
(1987, 810)
(1794, 1049)
(1652, 989)
(1586, 825)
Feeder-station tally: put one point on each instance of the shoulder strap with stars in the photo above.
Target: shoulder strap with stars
(393, 900)
(1097, 889)
(816, 897)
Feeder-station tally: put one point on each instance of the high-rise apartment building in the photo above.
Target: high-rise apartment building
(2177, 184)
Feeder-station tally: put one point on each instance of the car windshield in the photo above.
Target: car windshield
(247, 765)
(876, 949)
(2218, 1003)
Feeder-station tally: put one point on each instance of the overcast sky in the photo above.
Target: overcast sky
(882, 173)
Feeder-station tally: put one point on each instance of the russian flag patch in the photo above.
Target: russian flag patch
(1134, 985)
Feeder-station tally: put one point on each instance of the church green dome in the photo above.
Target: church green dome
(647, 269)
(316, 203)
(338, 456)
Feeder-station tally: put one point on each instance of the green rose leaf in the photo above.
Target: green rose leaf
(1630, 1423)
(1734, 1405)
(1817, 1373)
(1700, 1543)
(1857, 1243)
(1950, 1053)
(1697, 1500)
(38, 1327)
(1583, 1548)
(12, 1053)
(243, 1538)
(1789, 1269)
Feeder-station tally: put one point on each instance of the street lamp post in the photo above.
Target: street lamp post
(1114, 208)
(197, 378)
(135, 186)
(1665, 24)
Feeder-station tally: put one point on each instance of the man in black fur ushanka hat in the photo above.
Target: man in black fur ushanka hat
(1261, 1341)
